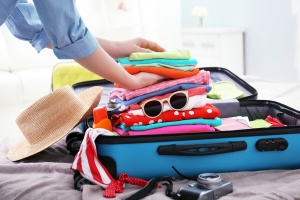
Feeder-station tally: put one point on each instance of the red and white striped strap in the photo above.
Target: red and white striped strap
(86, 160)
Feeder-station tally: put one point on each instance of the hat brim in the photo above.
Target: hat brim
(90, 99)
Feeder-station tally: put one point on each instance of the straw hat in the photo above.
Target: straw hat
(50, 118)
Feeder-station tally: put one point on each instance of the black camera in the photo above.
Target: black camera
(209, 186)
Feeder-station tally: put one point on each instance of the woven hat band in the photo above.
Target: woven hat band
(50, 114)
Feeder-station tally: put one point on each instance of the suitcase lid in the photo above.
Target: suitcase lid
(222, 74)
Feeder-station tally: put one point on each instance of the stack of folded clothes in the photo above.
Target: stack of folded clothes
(172, 64)
(176, 105)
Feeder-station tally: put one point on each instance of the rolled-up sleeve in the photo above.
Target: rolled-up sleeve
(6, 8)
(68, 34)
(24, 23)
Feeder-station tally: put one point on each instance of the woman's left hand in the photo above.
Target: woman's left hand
(118, 49)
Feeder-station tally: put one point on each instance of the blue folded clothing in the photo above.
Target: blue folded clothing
(174, 62)
(183, 86)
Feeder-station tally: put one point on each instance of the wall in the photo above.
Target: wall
(271, 32)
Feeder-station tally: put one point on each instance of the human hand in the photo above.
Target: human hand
(143, 79)
(141, 45)
(118, 49)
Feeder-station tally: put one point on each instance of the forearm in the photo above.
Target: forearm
(103, 65)
(111, 47)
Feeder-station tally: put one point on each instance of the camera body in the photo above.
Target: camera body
(209, 186)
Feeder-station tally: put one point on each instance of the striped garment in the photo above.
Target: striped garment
(87, 163)
(86, 160)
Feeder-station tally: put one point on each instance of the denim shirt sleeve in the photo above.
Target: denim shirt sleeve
(49, 21)
(24, 23)
(69, 36)
(6, 8)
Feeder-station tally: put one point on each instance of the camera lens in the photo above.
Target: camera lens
(208, 181)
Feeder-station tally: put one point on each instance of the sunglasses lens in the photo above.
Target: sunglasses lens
(178, 100)
(152, 108)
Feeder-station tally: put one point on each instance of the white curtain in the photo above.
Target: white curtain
(157, 20)
(296, 11)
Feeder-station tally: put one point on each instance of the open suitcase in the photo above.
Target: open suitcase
(190, 154)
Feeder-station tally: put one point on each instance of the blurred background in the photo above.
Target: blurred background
(262, 35)
(253, 38)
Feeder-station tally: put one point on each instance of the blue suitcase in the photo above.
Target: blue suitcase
(191, 154)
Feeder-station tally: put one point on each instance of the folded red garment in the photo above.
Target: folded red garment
(274, 121)
(207, 111)
(167, 72)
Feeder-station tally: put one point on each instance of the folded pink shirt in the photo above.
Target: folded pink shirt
(202, 77)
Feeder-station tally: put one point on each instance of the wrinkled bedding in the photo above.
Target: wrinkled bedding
(47, 175)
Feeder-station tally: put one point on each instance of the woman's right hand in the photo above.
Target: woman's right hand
(145, 79)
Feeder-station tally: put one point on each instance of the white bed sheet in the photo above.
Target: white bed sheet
(285, 93)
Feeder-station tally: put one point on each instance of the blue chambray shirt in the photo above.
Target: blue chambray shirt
(45, 21)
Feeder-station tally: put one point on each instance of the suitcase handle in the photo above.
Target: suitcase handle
(201, 149)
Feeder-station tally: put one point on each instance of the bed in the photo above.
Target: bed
(47, 175)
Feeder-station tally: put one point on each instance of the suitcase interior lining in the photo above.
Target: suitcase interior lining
(222, 74)
(258, 109)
